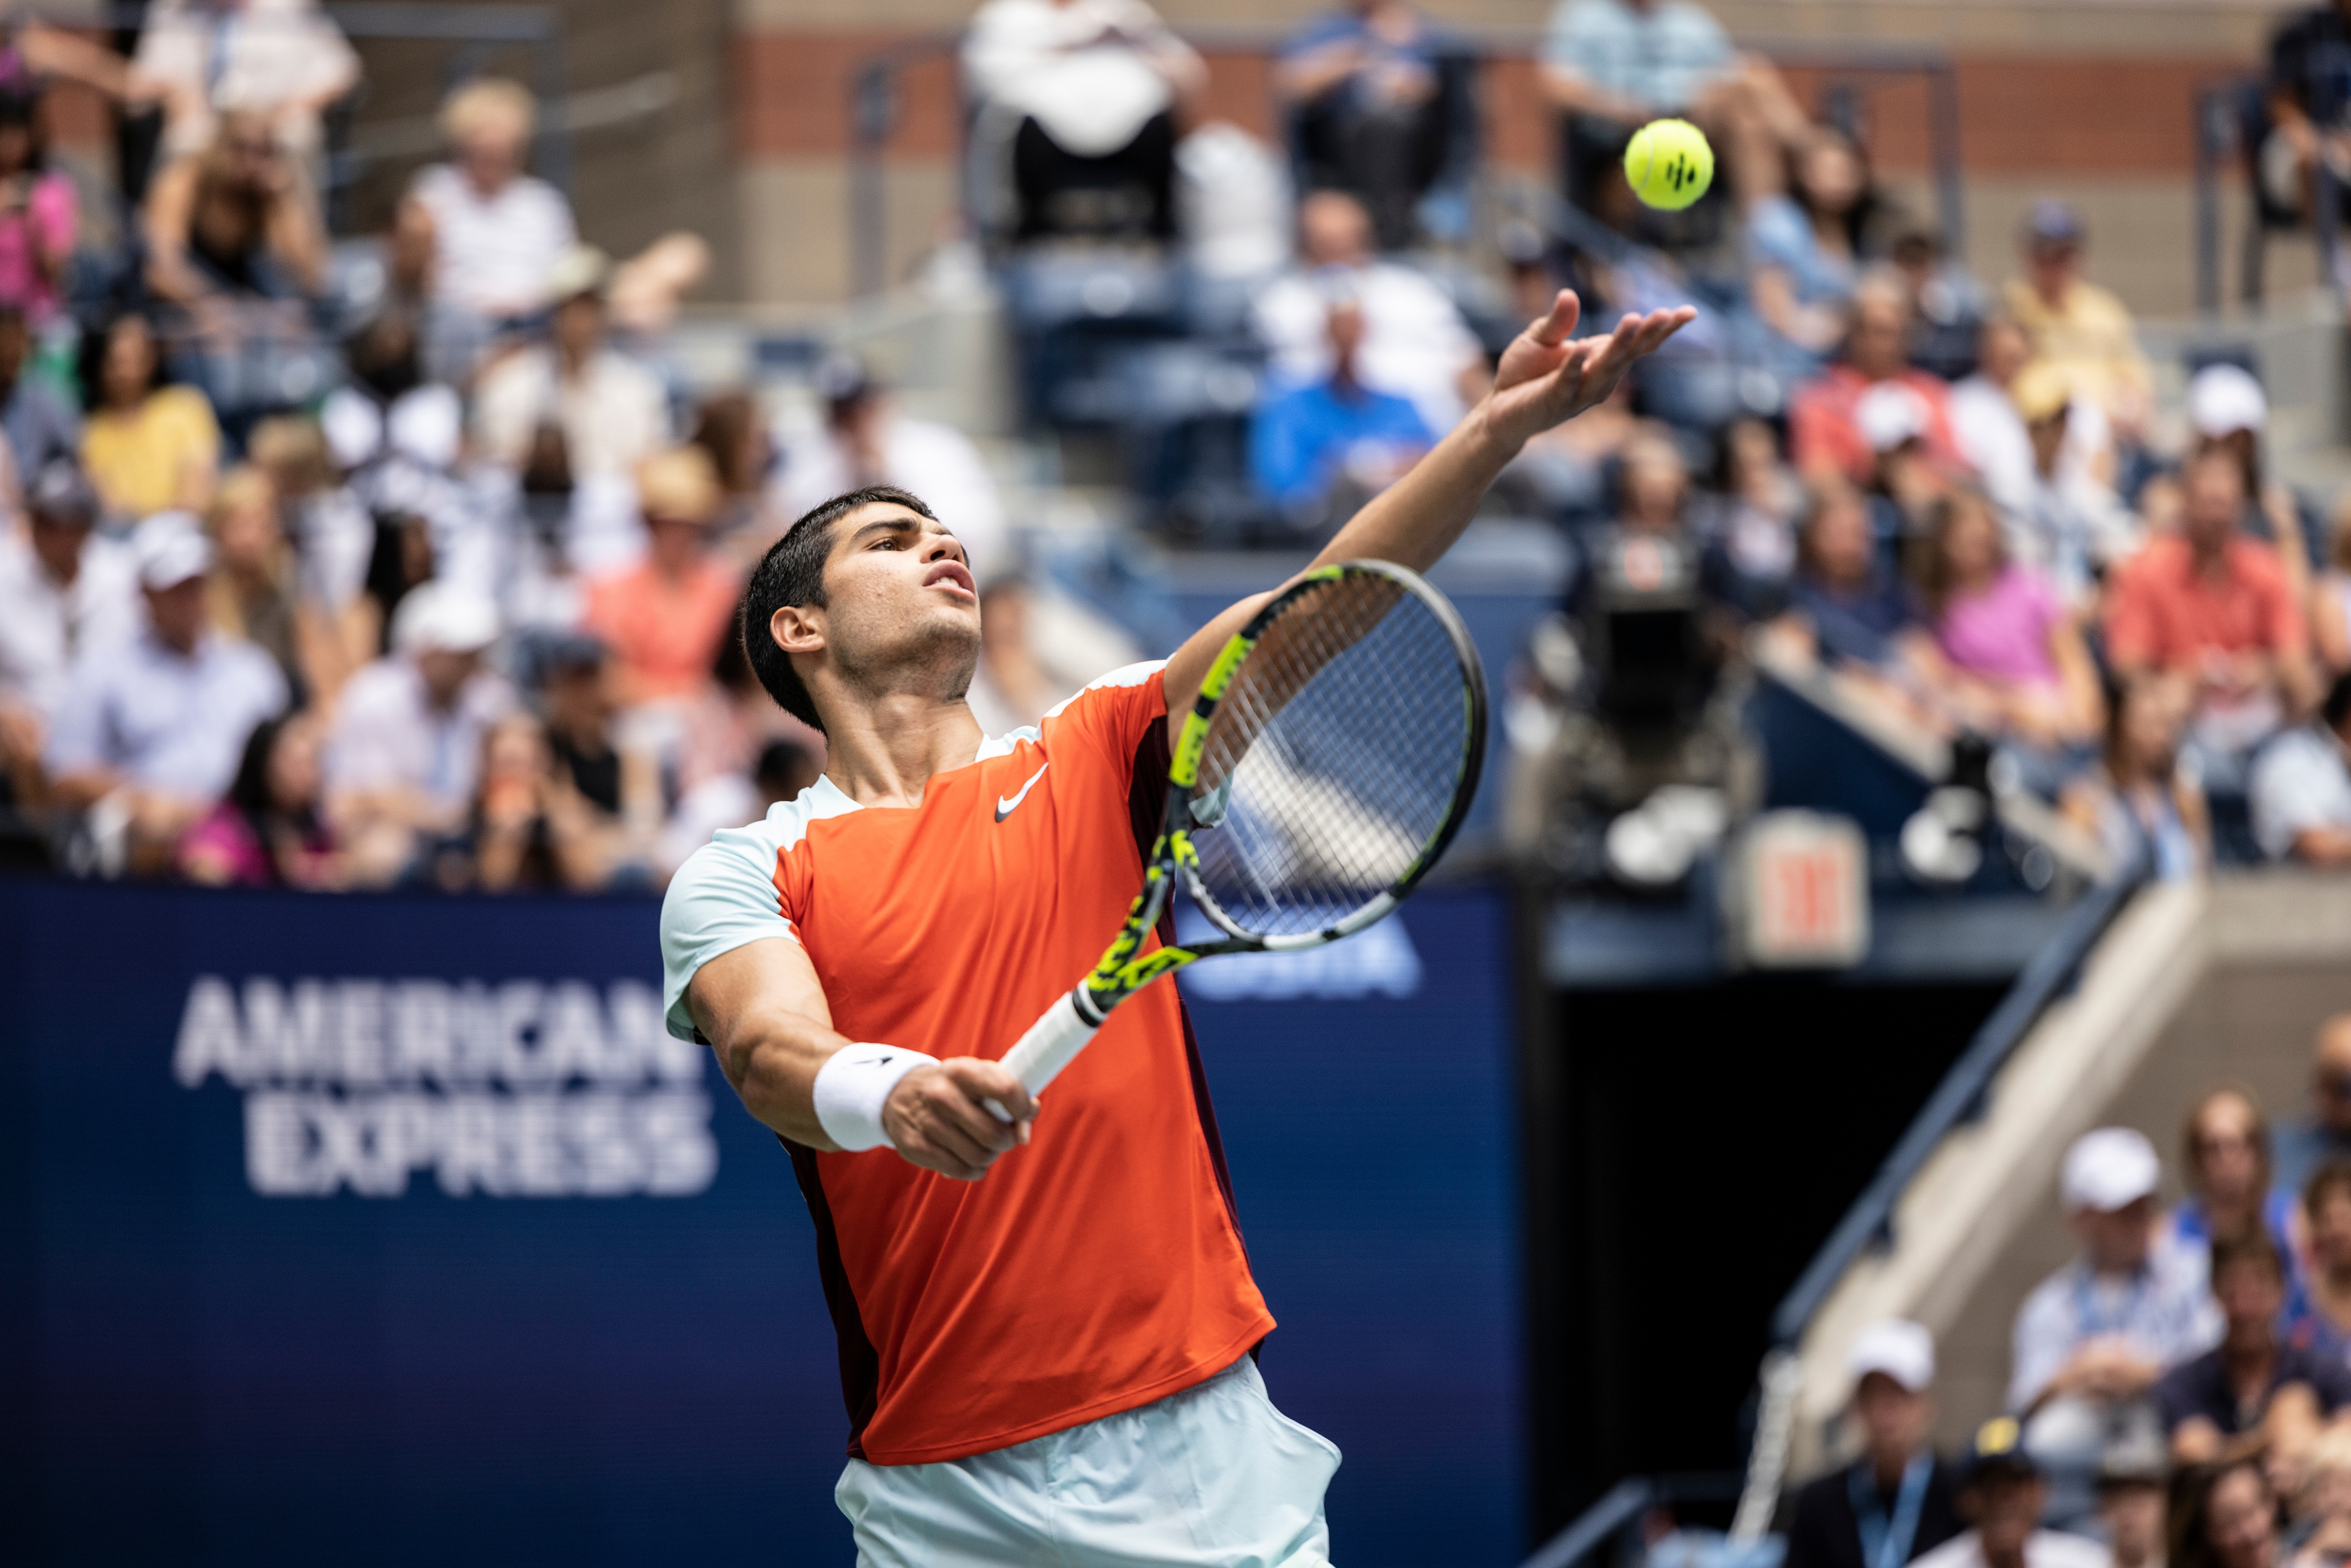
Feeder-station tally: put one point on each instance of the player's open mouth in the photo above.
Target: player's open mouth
(953, 571)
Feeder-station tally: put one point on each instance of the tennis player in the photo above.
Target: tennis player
(1046, 1353)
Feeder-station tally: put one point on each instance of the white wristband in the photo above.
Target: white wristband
(851, 1087)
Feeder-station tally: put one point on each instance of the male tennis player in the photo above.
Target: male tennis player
(1053, 1364)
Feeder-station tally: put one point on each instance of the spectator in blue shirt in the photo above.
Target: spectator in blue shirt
(1854, 610)
(1368, 87)
(1323, 448)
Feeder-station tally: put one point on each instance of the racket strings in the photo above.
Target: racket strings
(1334, 757)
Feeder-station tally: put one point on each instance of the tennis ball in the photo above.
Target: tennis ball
(1669, 164)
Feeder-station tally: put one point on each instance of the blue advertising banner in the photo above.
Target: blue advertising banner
(393, 1229)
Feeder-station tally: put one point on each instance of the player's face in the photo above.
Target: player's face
(898, 590)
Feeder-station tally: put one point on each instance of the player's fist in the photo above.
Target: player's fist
(937, 1117)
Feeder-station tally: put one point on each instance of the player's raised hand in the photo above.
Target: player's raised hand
(1548, 376)
(937, 1119)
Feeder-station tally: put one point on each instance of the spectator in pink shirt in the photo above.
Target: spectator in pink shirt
(1826, 433)
(38, 214)
(2014, 662)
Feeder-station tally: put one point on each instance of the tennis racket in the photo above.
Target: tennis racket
(1328, 760)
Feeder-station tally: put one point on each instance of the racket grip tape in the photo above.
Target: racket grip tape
(1052, 1043)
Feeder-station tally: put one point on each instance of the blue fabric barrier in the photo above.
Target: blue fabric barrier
(391, 1231)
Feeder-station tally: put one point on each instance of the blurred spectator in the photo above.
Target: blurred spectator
(2069, 522)
(2139, 794)
(1012, 687)
(2305, 102)
(2093, 1338)
(404, 756)
(1365, 85)
(2225, 1143)
(1749, 518)
(607, 413)
(1848, 605)
(268, 832)
(665, 617)
(2002, 1493)
(2324, 1506)
(2301, 787)
(2228, 409)
(150, 727)
(40, 428)
(39, 214)
(2326, 1222)
(2330, 596)
(1947, 306)
(252, 593)
(1089, 93)
(530, 829)
(2132, 1478)
(492, 233)
(2212, 611)
(278, 60)
(1989, 424)
(334, 542)
(1323, 449)
(733, 429)
(1804, 246)
(1896, 1502)
(865, 440)
(235, 222)
(2224, 1516)
(1234, 204)
(1826, 432)
(2012, 662)
(1623, 63)
(64, 594)
(2300, 1146)
(149, 447)
(1416, 344)
(2252, 1393)
(2076, 325)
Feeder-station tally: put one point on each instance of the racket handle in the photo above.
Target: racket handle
(1052, 1043)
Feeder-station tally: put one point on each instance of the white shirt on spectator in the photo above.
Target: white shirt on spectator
(258, 55)
(1042, 60)
(2043, 1549)
(1416, 344)
(2165, 1313)
(613, 414)
(936, 462)
(1991, 436)
(389, 736)
(172, 723)
(2301, 780)
(492, 255)
(1663, 55)
(45, 626)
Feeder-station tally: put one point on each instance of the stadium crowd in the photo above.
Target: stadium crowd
(2181, 1391)
(409, 558)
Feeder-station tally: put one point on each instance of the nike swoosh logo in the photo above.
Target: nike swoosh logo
(1007, 804)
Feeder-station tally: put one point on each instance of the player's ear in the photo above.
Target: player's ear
(798, 628)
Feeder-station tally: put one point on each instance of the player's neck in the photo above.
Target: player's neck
(884, 752)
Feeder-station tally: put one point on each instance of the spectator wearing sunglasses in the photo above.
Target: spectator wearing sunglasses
(2300, 1146)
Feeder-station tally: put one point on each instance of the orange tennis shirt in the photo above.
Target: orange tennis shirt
(1101, 1267)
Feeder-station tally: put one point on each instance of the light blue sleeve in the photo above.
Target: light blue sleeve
(1568, 39)
(722, 898)
(2292, 790)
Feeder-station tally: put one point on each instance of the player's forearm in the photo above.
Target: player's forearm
(1417, 519)
(773, 1064)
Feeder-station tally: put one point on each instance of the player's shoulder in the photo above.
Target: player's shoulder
(786, 824)
(1126, 678)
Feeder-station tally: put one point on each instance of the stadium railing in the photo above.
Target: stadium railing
(1960, 1098)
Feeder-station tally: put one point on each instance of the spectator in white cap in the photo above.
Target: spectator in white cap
(2091, 1339)
(2228, 409)
(405, 753)
(1896, 1501)
(154, 725)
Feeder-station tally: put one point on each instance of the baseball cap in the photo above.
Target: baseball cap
(842, 377)
(2053, 222)
(60, 493)
(582, 269)
(679, 485)
(170, 548)
(440, 617)
(2042, 392)
(2223, 399)
(1998, 1446)
(1890, 414)
(1898, 1349)
(2108, 1169)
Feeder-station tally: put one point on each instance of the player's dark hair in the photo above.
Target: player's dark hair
(792, 572)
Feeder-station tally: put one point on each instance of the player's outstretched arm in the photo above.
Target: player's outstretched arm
(1547, 376)
(764, 1012)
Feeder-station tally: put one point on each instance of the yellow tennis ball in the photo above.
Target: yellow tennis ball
(1669, 164)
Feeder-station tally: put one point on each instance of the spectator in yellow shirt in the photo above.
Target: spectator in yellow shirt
(2076, 325)
(146, 447)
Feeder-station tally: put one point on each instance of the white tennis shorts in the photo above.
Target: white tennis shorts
(1212, 1476)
